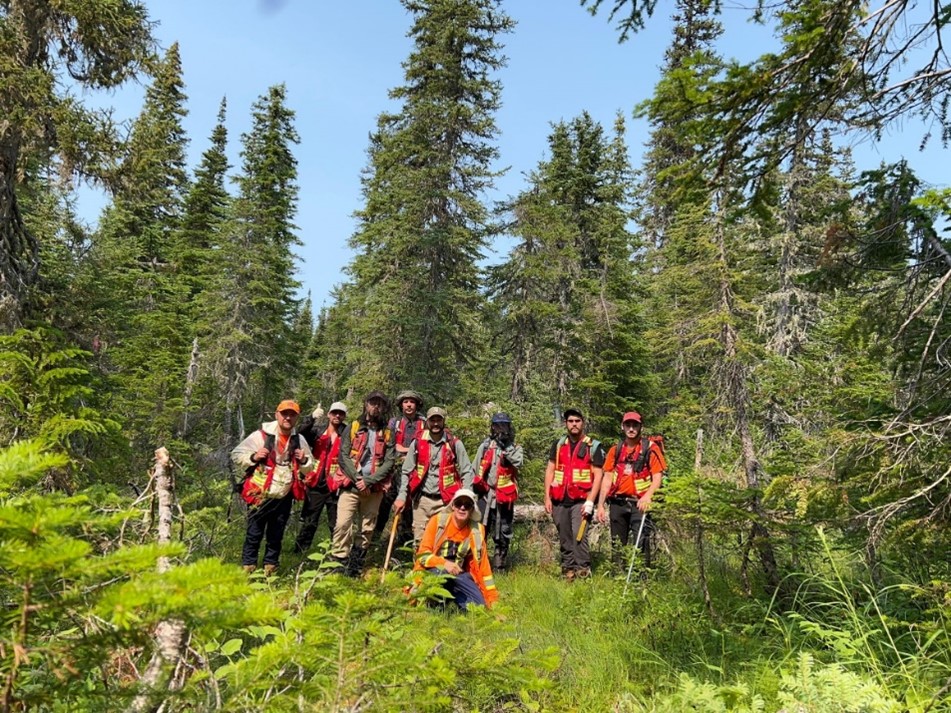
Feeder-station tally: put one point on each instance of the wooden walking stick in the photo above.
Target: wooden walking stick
(389, 547)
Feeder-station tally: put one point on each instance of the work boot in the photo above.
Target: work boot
(583, 573)
(500, 559)
(569, 575)
(269, 569)
(355, 562)
(249, 568)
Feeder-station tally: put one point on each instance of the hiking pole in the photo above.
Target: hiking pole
(389, 547)
(637, 549)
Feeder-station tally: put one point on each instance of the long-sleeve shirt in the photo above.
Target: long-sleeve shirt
(430, 484)
(434, 545)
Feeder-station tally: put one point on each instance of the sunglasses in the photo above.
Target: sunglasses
(467, 505)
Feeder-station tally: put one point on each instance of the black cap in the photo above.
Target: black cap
(572, 412)
(501, 418)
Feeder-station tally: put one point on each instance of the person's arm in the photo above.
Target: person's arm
(549, 477)
(464, 464)
(514, 455)
(346, 462)
(609, 464)
(409, 465)
(306, 462)
(489, 591)
(246, 453)
(426, 557)
(597, 475)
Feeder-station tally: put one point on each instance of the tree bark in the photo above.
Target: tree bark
(170, 634)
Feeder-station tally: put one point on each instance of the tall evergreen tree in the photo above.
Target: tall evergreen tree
(571, 324)
(143, 300)
(413, 301)
(254, 303)
(99, 47)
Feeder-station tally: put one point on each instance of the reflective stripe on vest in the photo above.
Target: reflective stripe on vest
(572, 477)
(626, 481)
(506, 487)
(448, 476)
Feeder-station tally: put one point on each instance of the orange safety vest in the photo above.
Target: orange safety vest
(449, 480)
(359, 437)
(572, 479)
(506, 487)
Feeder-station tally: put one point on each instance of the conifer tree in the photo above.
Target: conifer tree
(253, 304)
(570, 324)
(99, 47)
(143, 300)
(413, 301)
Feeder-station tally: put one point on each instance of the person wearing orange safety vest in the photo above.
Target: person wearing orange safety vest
(572, 480)
(406, 427)
(497, 462)
(274, 459)
(453, 543)
(366, 465)
(322, 484)
(636, 468)
(436, 466)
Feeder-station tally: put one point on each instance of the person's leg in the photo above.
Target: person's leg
(582, 553)
(644, 543)
(309, 518)
(274, 529)
(369, 511)
(462, 587)
(424, 510)
(505, 531)
(347, 507)
(331, 504)
(620, 519)
(561, 514)
(253, 535)
(386, 505)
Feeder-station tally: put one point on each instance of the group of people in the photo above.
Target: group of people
(414, 467)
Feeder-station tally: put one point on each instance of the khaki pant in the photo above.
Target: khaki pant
(422, 513)
(355, 508)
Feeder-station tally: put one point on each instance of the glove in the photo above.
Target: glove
(588, 508)
(318, 412)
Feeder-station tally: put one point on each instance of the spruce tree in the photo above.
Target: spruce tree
(413, 301)
(98, 46)
(571, 325)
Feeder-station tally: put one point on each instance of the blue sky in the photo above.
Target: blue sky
(339, 60)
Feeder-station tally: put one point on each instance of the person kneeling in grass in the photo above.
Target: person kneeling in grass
(454, 544)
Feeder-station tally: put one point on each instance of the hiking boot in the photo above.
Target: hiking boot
(355, 562)
(569, 575)
(583, 573)
(269, 569)
(249, 568)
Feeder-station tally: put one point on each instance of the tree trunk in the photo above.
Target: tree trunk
(169, 635)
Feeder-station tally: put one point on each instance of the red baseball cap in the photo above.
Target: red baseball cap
(632, 416)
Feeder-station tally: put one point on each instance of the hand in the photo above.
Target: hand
(299, 455)
(452, 567)
(644, 502)
(548, 505)
(260, 455)
(588, 508)
(398, 506)
(318, 412)
(361, 486)
(602, 515)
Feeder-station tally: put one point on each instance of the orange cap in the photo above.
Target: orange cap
(288, 404)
